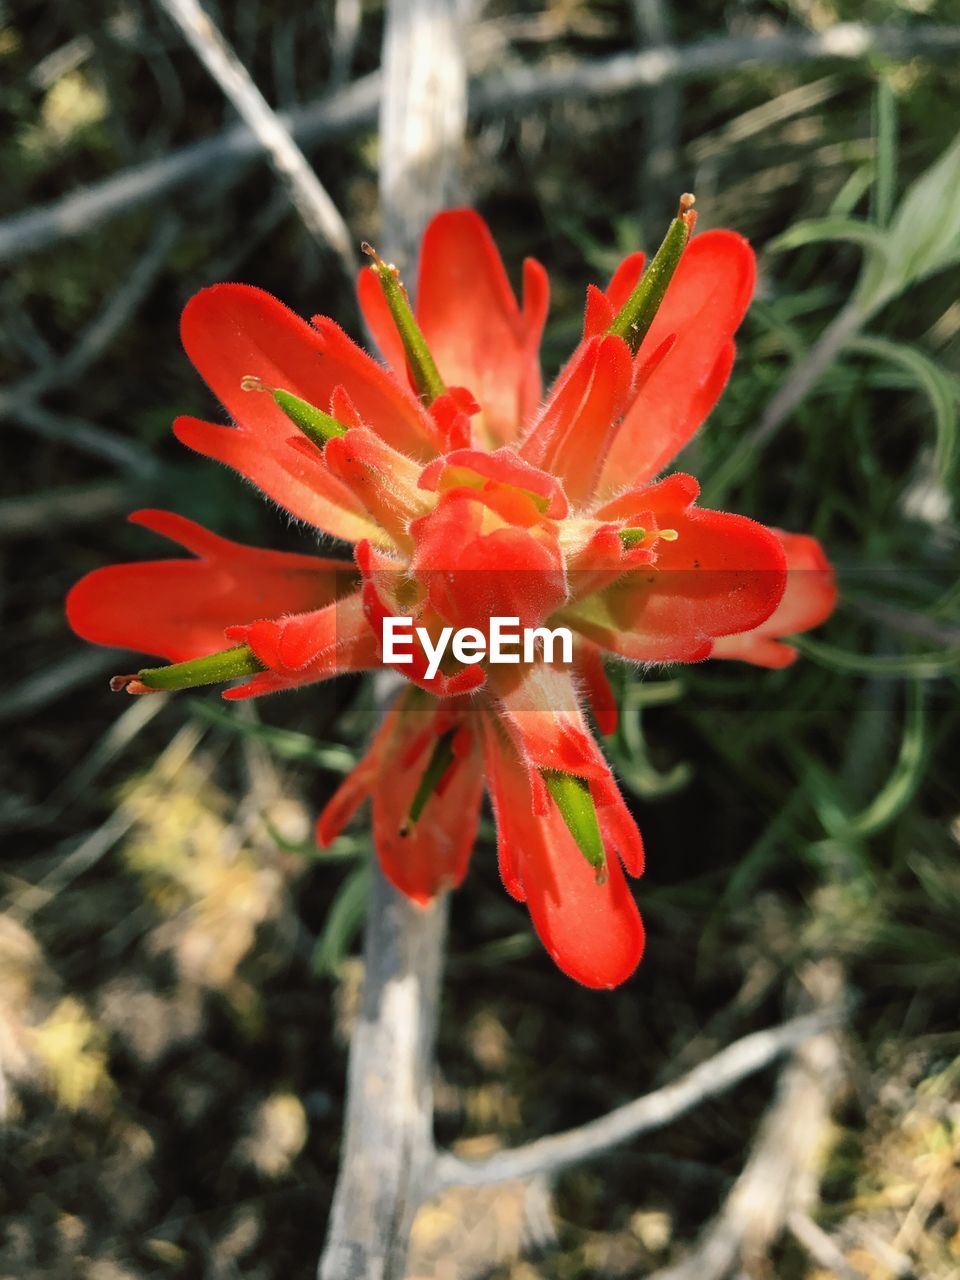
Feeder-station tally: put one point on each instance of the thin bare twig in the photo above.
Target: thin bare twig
(624, 72)
(220, 159)
(782, 1175)
(346, 33)
(653, 1111)
(21, 402)
(224, 157)
(820, 1247)
(388, 1142)
(310, 198)
(42, 513)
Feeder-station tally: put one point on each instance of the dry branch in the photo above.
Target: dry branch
(388, 1140)
(388, 1149)
(423, 117)
(224, 157)
(652, 1111)
(317, 211)
(782, 1176)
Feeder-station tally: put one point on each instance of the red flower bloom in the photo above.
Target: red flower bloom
(467, 499)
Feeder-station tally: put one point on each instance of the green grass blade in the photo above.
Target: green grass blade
(284, 743)
(940, 389)
(918, 665)
(343, 922)
(905, 777)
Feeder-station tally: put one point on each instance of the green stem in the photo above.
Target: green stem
(229, 664)
(633, 321)
(426, 375)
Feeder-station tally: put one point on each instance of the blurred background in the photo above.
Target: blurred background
(178, 965)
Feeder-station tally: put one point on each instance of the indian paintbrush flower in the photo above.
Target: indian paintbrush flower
(467, 498)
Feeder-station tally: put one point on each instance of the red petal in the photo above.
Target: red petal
(434, 853)
(602, 306)
(573, 432)
(504, 466)
(479, 337)
(382, 479)
(722, 571)
(593, 932)
(621, 838)
(663, 499)
(809, 599)
(625, 279)
(589, 661)
(598, 314)
(306, 647)
(472, 575)
(540, 709)
(382, 400)
(375, 610)
(298, 482)
(704, 305)
(234, 331)
(180, 609)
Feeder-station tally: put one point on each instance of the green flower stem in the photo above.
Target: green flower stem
(633, 321)
(426, 376)
(229, 664)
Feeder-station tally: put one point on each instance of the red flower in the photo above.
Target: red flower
(468, 499)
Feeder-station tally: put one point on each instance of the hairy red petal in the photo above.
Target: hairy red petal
(298, 482)
(383, 479)
(313, 646)
(234, 331)
(589, 661)
(602, 306)
(724, 574)
(592, 931)
(540, 709)
(479, 336)
(663, 499)
(472, 467)
(425, 857)
(625, 279)
(703, 306)
(376, 611)
(180, 609)
(471, 575)
(598, 314)
(809, 599)
(573, 432)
